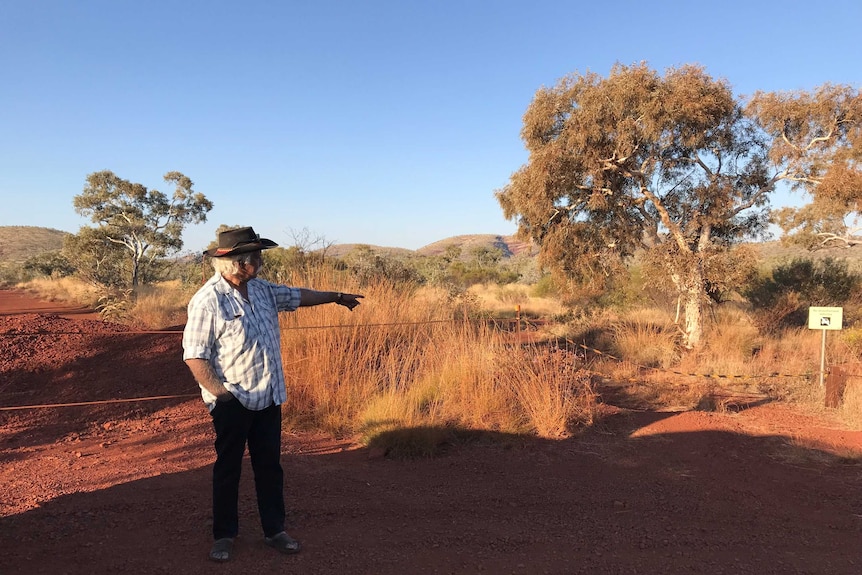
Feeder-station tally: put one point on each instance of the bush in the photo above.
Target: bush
(49, 264)
(781, 300)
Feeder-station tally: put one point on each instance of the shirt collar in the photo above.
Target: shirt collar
(223, 286)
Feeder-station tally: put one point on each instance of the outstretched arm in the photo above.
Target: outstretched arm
(313, 297)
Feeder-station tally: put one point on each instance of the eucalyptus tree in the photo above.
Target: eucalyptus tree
(639, 161)
(146, 223)
(817, 144)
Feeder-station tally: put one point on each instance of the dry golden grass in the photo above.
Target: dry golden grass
(161, 305)
(68, 289)
(646, 338)
(156, 306)
(407, 359)
(502, 301)
(734, 365)
(850, 410)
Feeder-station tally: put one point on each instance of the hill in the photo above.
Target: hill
(775, 253)
(17, 243)
(508, 245)
(341, 250)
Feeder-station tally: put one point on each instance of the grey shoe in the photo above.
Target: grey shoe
(221, 550)
(284, 543)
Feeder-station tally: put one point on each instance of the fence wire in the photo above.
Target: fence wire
(534, 324)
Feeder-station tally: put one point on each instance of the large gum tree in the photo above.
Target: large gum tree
(677, 167)
(639, 161)
(146, 223)
(817, 144)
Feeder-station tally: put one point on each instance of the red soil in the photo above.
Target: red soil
(125, 487)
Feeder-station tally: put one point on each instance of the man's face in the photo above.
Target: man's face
(250, 266)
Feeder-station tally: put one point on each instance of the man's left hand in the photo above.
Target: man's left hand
(348, 300)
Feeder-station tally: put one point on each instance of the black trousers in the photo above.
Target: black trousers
(236, 426)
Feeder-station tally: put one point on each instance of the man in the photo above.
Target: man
(231, 344)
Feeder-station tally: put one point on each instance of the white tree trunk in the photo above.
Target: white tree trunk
(693, 318)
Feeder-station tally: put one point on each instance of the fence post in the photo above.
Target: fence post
(836, 382)
(518, 319)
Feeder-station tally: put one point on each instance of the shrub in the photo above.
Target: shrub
(780, 300)
(49, 264)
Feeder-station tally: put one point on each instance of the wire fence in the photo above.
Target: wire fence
(517, 325)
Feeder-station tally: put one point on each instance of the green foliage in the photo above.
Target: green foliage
(524, 267)
(368, 266)
(116, 305)
(481, 265)
(96, 259)
(49, 264)
(145, 223)
(11, 274)
(189, 270)
(544, 287)
(781, 299)
(281, 265)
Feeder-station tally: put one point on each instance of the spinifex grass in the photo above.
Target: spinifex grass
(407, 358)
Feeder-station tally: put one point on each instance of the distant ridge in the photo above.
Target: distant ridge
(508, 245)
(17, 243)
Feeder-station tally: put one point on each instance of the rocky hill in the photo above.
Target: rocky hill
(17, 243)
(508, 245)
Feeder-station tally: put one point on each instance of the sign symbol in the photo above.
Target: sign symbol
(824, 320)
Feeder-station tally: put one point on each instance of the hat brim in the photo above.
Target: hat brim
(262, 244)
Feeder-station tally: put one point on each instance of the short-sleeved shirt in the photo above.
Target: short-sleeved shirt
(240, 339)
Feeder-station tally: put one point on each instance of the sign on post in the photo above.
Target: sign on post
(825, 319)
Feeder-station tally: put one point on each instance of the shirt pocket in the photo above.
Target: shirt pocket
(230, 321)
(267, 313)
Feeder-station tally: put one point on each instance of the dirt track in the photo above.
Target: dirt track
(124, 487)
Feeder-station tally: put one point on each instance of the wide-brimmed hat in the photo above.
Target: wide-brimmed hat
(239, 241)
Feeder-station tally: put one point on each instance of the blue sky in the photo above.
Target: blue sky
(389, 123)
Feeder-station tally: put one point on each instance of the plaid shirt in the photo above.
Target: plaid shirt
(240, 339)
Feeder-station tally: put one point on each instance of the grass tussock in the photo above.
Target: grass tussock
(161, 305)
(505, 301)
(407, 359)
(646, 338)
(850, 409)
(67, 290)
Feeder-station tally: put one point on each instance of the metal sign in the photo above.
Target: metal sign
(825, 317)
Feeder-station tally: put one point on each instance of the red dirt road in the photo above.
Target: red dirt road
(124, 487)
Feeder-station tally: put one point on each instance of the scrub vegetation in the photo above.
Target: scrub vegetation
(450, 361)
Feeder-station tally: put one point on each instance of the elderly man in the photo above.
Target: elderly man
(231, 344)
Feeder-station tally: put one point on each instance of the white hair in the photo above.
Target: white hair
(227, 265)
